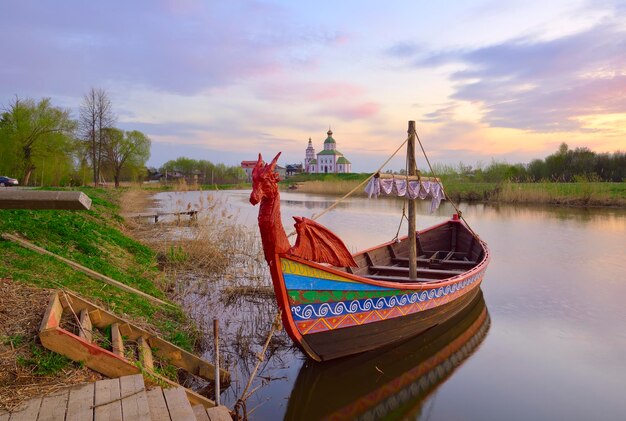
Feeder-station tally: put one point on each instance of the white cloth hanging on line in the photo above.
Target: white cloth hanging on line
(413, 189)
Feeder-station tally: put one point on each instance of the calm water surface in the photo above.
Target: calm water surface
(549, 342)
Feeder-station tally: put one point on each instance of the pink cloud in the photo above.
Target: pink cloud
(353, 112)
(330, 91)
(293, 90)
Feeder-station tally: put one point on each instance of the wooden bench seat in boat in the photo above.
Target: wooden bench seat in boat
(465, 264)
(403, 279)
(420, 271)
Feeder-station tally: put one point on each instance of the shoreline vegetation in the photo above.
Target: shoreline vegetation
(180, 262)
(100, 240)
(577, 193)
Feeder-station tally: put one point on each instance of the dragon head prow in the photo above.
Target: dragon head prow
(264, 180)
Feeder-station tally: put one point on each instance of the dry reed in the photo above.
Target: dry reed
(329, 187)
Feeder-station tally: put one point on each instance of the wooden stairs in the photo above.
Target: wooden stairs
(132, 350)
(126, 398)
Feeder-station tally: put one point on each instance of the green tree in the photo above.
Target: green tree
(126, 149)
(33, 132)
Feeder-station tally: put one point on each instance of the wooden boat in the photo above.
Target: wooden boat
(392, 382)
(335, 304)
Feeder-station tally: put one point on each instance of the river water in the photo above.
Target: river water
(549, 341)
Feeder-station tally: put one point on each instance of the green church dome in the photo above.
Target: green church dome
(329, 139)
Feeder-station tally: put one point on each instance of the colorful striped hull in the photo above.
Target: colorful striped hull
(325, 307)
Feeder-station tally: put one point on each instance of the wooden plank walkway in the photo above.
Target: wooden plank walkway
(193, 214)
(125, 398)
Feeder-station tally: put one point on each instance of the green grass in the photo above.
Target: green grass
(44, 362)
(92, 238)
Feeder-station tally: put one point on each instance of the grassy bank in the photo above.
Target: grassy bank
(95, 239)
(583, 193)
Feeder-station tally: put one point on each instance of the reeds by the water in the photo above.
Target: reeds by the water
(580, 193)
(216, 269)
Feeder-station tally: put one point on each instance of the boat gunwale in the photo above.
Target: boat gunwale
(436, 283)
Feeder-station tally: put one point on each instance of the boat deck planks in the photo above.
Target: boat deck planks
(125, 398)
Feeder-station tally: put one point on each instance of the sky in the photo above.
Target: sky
(224, 80)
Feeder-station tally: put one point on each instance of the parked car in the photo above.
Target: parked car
(7, 181)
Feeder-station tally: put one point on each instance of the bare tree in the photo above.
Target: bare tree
(96, 115)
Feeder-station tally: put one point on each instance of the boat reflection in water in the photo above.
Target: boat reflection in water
(389, 383)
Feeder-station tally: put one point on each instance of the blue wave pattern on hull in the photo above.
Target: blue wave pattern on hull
(314, 311)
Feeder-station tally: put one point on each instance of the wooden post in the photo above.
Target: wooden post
(217, 361)
(410, 151)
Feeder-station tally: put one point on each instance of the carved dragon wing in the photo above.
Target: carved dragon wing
(318, 244)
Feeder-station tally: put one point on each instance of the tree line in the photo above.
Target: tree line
(202, 171)
(41, 144)
(565, 165)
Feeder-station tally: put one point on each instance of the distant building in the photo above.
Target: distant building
(293, 169)
(248, 166)
(329, 160)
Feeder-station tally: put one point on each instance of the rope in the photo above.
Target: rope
(458, 211)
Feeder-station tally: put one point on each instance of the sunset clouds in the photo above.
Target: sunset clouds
(508, 80)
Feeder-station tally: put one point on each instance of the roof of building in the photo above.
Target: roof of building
(329, 152)
(343, 160)
(248, 164)
(313, 161)
(329, 139)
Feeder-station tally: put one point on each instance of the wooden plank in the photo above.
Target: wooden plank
(91, 273)
(402, 279)
(53, 407)
(178, 405)
(52, 316)
(93, 356)
(420, 271)
(134, 399)
(4, 415)
(145, 354)
(158, 407)
(185, 360)
(85, 330)
(193, 397)
(200, 413)
(80, 404)
(407, 177)
(116, 340)
(40, 199)
(28, 411)
(451, 263)
(108, 405)
(219, 413)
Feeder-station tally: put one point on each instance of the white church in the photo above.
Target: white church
(330, 160)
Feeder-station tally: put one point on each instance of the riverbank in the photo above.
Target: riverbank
(593, 194)
(99, 240)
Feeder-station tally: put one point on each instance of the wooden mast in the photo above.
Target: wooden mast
(412, 170)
